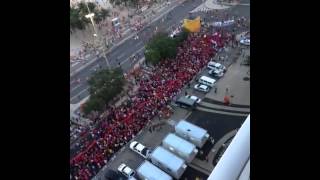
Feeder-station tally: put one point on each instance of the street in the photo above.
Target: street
(131, 46)
(219, 119)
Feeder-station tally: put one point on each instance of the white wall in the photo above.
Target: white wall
(235, 158)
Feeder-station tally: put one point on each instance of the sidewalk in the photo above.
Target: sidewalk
(234, 80)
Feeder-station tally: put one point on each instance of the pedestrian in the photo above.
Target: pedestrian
(227, 90)
(207, 158)
(215, 90)
(186, 93)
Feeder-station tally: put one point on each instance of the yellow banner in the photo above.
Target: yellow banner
(192, 25)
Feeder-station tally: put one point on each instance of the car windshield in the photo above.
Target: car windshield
(135, 145)
(144, 151)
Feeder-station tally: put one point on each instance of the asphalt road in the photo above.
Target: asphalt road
(131, 46)
(217, 125)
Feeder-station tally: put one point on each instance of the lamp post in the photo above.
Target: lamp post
(90, 16)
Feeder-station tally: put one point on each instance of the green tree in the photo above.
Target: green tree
(104, 86)
(76, 19)
(182, 36)
(152, 56)
(161, 47)
(101, 15)
(78, 15)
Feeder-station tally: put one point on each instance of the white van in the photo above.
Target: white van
(216, 66)
(148, 171)
(207, 81)
(192, 133)
(180, 147)
(168, 162)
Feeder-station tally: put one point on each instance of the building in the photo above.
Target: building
(235, 162)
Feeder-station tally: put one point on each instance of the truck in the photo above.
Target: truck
(192, 133)
(180, 147)
(168, 162)
(148, 171)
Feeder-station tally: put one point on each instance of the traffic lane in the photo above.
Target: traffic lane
(126, 51)
(217, 125)
(80, 90)
(81, 95)
(86, 71)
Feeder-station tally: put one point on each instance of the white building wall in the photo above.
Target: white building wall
(235, 158)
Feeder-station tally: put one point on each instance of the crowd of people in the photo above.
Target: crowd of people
(155, 92)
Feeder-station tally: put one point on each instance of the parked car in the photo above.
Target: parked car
(216, 73)
(140, 149)
(202, 87)
(198, 100)
(216, 66)
(126, 170)
(245, 42)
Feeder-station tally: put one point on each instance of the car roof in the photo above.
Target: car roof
(121, 166)
(140, 147)
(127, 170)
(164, 156)
(203, 86)
(193, 97)
(133, 143)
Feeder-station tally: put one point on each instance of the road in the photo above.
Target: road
(131, 46)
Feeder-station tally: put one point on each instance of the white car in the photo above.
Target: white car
(198, 100)
(216, 66)
(216, 73)
(245, 42)
(126, 170)
(140, 149)
(202, 87)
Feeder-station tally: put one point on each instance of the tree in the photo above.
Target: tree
(78, 15)
(76, 19)
(152, 56)
(101, 15)
(182, 36)
(104, 86)
(160, 47)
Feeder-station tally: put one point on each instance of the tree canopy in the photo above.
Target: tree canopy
(78, 14)
(104, 86)
(161, 46)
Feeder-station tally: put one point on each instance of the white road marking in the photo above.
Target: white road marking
(79, 94)
(77, 86)
(129, 56)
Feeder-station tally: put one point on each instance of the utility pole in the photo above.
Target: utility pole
(90, 16)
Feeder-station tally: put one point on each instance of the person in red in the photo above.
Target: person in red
(226, 100)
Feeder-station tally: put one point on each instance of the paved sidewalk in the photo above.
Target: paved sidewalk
(233, 84)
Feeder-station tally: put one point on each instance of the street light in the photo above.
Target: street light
(90, 16)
